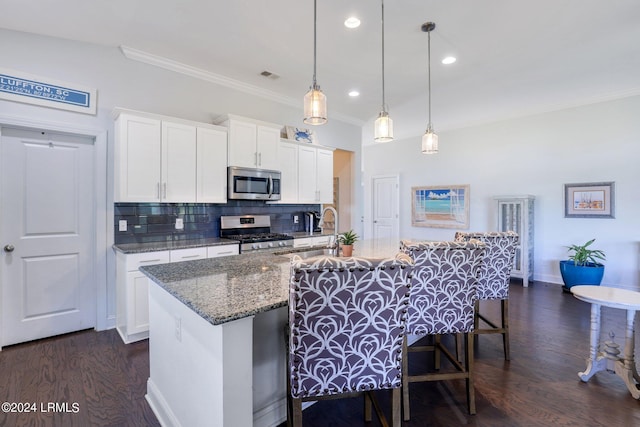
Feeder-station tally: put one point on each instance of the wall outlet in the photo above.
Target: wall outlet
(179, 224)
(296, 219)
(122, 225)
(178, 328)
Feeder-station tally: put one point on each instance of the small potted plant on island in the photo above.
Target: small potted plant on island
(583, 266)
(347, 240)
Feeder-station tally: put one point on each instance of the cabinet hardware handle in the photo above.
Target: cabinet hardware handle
(164, 190)
(190, 256)
(9, 248)
(225, 253)
(150, 260)
(158, 190)
(259, 159)
(255, 158)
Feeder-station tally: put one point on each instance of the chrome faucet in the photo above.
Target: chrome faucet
(336, 243)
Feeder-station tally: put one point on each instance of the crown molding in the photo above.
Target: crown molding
(198, 73)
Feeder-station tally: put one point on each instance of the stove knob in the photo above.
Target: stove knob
(255, 246)
(270, 245)
(281, 244)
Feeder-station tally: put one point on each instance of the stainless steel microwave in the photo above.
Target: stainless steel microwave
(253, 184)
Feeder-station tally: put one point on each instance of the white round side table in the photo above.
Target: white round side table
(625, 366)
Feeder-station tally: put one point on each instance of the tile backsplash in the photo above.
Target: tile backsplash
(155, 222)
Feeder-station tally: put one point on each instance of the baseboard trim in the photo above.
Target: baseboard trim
(159, 406)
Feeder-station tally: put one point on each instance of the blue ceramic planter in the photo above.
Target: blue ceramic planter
(590, 274)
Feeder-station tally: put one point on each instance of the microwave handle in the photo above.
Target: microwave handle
(270, 186)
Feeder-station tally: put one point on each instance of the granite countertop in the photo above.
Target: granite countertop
(134, 248)
(224, 289)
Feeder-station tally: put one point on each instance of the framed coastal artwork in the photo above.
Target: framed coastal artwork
(589, 200)
(300, 135)
(442, 206)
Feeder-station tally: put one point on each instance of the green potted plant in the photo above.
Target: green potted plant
(583, 266)
(347, 240)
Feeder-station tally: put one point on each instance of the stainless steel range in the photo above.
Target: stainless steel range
(253, 232)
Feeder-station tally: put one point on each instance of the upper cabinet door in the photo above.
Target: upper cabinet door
(178, 163)
(307, 177)
(242, 144)
(288, 167)
(137, 159)
(267, 142)
(324, 176)
(212, 166)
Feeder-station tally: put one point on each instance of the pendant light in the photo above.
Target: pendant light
(429, 139)
(315, 102)
(383, 127)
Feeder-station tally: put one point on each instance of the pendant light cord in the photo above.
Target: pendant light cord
(314, 42)
(384, 103)
(429, 74)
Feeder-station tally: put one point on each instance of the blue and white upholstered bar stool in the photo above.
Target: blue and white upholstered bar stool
(443, 293)
(493, 284)
(347, 320)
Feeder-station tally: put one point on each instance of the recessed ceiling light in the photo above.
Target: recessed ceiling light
(352, 22)
(449, 60)
(354, 93)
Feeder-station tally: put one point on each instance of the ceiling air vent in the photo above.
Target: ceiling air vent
(269, 75)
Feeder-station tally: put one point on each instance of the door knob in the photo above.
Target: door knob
(9, 248)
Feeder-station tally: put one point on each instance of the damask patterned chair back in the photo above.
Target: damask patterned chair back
(443, 294)
(443, 288)
(347, 320)
(494, 280)
(498, 261)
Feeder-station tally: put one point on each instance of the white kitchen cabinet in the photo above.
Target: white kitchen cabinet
(178, 162)
(288, 167)
(137, 159)
(307, 177)
(188, 254)
(315, 175)
(132, 310)
(222, 250)
(515, 213)
(132, 303)
(324, 176)
(252, 143)
(211, 167)
(311, 241)
(162, 159)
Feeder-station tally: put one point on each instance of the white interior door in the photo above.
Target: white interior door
(385, 221)
(47, 234)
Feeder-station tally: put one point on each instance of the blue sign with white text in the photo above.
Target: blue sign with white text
(40, 90)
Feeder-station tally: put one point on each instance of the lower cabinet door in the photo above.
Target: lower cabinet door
(137, 303)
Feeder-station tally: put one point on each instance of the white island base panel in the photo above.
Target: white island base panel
(203, 374)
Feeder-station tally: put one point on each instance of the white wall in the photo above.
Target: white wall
(533, 155)
(121, 82)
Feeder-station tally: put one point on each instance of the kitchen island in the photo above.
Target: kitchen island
(216, 346)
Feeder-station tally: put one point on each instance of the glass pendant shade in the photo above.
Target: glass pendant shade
(315, 107)
(429, 142)
(383, 128)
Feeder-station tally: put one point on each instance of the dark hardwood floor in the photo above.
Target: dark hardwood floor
(105, 378)
(538, 387)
